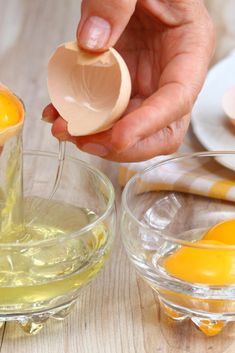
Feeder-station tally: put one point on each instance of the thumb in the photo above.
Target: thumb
(102, 22)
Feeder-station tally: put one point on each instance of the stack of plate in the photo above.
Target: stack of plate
(210, 124)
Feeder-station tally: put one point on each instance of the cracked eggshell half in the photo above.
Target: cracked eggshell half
(15, 126)
(228, 103)
(90, 91)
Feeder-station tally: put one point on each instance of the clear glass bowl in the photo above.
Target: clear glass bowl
(166, 212)
(66, 238)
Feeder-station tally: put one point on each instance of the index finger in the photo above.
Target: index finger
(186, 65)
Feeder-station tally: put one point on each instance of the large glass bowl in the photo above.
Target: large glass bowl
(166, 210)
(66, 239)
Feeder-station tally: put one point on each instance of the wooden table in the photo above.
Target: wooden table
(117, 313)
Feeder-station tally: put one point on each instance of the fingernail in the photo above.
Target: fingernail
(47, 119)
(94, 148)
(95, 33)
(119, 148)
(62, 136)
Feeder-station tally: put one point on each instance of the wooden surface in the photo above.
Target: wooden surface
(117, 313)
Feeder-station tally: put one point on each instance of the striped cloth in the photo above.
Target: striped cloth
(209, 178)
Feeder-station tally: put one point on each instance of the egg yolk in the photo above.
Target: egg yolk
(224, 232)
(9, 110)
(215, 266)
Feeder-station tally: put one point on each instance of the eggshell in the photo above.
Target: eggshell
(7, 133)
(90, 91)
(229, 104)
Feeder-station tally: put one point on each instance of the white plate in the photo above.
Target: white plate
(210, 125)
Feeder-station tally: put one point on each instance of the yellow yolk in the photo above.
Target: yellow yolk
(223, 232)
(213, 266)
(10, 113)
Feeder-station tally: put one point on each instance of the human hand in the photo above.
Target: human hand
(167, 46)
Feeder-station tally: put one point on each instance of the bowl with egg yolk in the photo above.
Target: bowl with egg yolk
(178, 228)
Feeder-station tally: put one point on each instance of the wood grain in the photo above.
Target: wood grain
(118, 312)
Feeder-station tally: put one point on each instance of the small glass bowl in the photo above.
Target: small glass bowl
(165, 211)
(66, 239)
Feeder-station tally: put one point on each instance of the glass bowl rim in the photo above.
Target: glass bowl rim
(174, 158)
(88, 227)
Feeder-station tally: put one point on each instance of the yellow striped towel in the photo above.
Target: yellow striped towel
(209, 178)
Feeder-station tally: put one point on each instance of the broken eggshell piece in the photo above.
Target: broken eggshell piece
(90, 91)
(229, 104)
(7, 132)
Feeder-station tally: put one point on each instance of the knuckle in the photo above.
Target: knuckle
(212, 35)
(128, 5)
(174, 138)
(208, 27)
(118, 145)
(173, 146)
(124, 4)
(186, 98)
(120, 138)
(118, 5)
(108, 7)
(177, 142)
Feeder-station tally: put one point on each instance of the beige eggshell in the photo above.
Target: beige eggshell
(90, 91)
(7, 133)
(229, 104)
